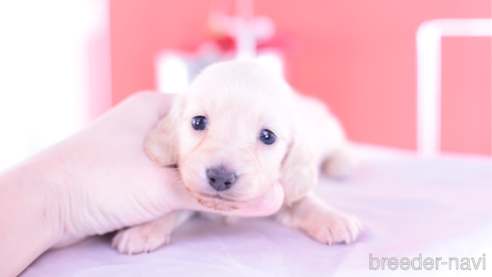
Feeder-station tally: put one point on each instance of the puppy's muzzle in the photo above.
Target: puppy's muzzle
(220, 178)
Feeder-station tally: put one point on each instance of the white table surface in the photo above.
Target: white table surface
(409, 206)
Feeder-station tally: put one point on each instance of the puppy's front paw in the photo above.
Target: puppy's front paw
(139, 239)
(333, 227)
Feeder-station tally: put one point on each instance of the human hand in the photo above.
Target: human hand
(101, 180)
(109, 182)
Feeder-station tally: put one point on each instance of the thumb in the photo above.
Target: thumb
(269, 204)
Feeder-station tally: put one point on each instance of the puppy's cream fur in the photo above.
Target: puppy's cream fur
(239, 99)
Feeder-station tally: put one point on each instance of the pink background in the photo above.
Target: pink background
(358, 56)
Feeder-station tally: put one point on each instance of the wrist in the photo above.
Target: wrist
(55, 190)
(28, 218)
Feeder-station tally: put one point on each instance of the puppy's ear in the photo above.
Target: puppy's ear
(162, 143)
(299, 172)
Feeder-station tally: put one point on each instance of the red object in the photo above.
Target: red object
(226, 43)
(358, 56)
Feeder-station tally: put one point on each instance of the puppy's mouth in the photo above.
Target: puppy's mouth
(217, 196)
(217, 201)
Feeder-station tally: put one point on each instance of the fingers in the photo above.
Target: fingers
(135, 117)
(145, 107)
(267, 205)
(152, 101)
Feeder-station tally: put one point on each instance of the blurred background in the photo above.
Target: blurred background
(64, 63)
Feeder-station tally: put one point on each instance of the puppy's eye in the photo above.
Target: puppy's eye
(199, 123)
(267, 136)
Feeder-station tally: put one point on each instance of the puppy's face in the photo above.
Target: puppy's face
(232, 132)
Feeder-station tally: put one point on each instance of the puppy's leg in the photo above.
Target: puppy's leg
(150, 235)
(320, 221)
(341, 162)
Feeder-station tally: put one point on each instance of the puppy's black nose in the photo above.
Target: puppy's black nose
(220, 179)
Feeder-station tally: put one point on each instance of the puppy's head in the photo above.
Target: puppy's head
(233, 134)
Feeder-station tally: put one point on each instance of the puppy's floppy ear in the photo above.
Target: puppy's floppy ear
(162, 143)
(299, 172)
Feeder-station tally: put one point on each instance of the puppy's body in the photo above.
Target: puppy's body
(239, 121)
(325, 137)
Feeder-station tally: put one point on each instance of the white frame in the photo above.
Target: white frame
(428, 40)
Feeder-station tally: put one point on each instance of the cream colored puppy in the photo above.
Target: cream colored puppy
(235, 132)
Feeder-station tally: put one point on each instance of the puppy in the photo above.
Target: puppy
(236, 131)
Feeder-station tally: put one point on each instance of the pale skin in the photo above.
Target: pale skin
(97, 181)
